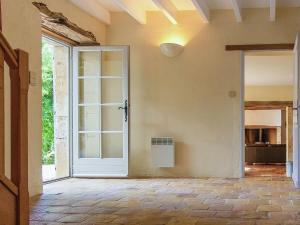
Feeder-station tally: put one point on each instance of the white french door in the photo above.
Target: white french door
(296, 119)
(100, 111)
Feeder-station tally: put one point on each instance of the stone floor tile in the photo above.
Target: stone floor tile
(183, 220)
(291, 222)
(56, 209)
(281, 202)
(50, 217)
(73, 218)
(156, 221)
(252, 215)
(283, 215)
(101, 218)
(220, 207)
(226, 214)
(269, 222)
(241, 222)
(103, 210)
(269, 208)
(202, 213)
(212, 221)
(259, 201)
(214, 201)
(198, 206)
(244, 207)
(86, 203)
(77, 210)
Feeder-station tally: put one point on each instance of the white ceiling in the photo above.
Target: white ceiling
(212, 4)
(269, 69)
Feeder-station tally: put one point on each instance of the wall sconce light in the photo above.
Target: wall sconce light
(171, 49)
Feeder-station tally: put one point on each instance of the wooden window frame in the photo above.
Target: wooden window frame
(56, 36)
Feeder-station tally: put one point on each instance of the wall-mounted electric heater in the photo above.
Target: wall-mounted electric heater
(163, 151)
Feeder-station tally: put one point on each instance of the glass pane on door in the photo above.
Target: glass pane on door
(112, 118)
(89, 145)
(89, 118)
(112, 145)
(112, 63)
(89, 63)
(111, 90)
(89, 90)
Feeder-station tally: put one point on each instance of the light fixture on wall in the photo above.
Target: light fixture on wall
(171, 49)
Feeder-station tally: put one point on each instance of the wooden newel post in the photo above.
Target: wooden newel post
(23, 131)
(19, 135)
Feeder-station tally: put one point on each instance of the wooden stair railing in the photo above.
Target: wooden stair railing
(14, 197)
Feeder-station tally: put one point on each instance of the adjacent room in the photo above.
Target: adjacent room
(149, 112)
(268, 113)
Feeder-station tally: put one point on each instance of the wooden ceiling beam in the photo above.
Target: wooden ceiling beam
(169, 10)
(203, 9)
(237, 10)
(134, 8)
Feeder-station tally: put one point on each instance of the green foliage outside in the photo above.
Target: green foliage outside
(47, 105)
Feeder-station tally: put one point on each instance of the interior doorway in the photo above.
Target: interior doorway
(268, 119)
(55, 109)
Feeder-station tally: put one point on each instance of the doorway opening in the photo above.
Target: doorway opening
(55, 109)
(268, 118)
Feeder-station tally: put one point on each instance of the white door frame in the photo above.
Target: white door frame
(115, 162)
(242, 111)
(242, 120)
(70, 105)
(296, 108)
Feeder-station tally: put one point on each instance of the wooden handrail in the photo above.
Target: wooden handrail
(9, 54)
(9, 185)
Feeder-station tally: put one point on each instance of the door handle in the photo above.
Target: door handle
(125, 108)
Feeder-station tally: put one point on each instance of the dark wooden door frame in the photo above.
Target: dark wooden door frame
(260, 47)
(267, 105)
(252, 47)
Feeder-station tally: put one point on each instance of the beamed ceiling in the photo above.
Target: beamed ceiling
(101, 9)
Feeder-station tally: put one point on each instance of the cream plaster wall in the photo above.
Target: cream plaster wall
(21, 26)
(187, 97)
(269, 93)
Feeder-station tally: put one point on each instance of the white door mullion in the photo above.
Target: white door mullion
(125, 98)
(101, 77)
(75, 108)
(100, 104)
(100, 107)
(100, 132)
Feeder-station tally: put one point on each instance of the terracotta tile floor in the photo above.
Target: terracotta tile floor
(211, 201)
(262, 170)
